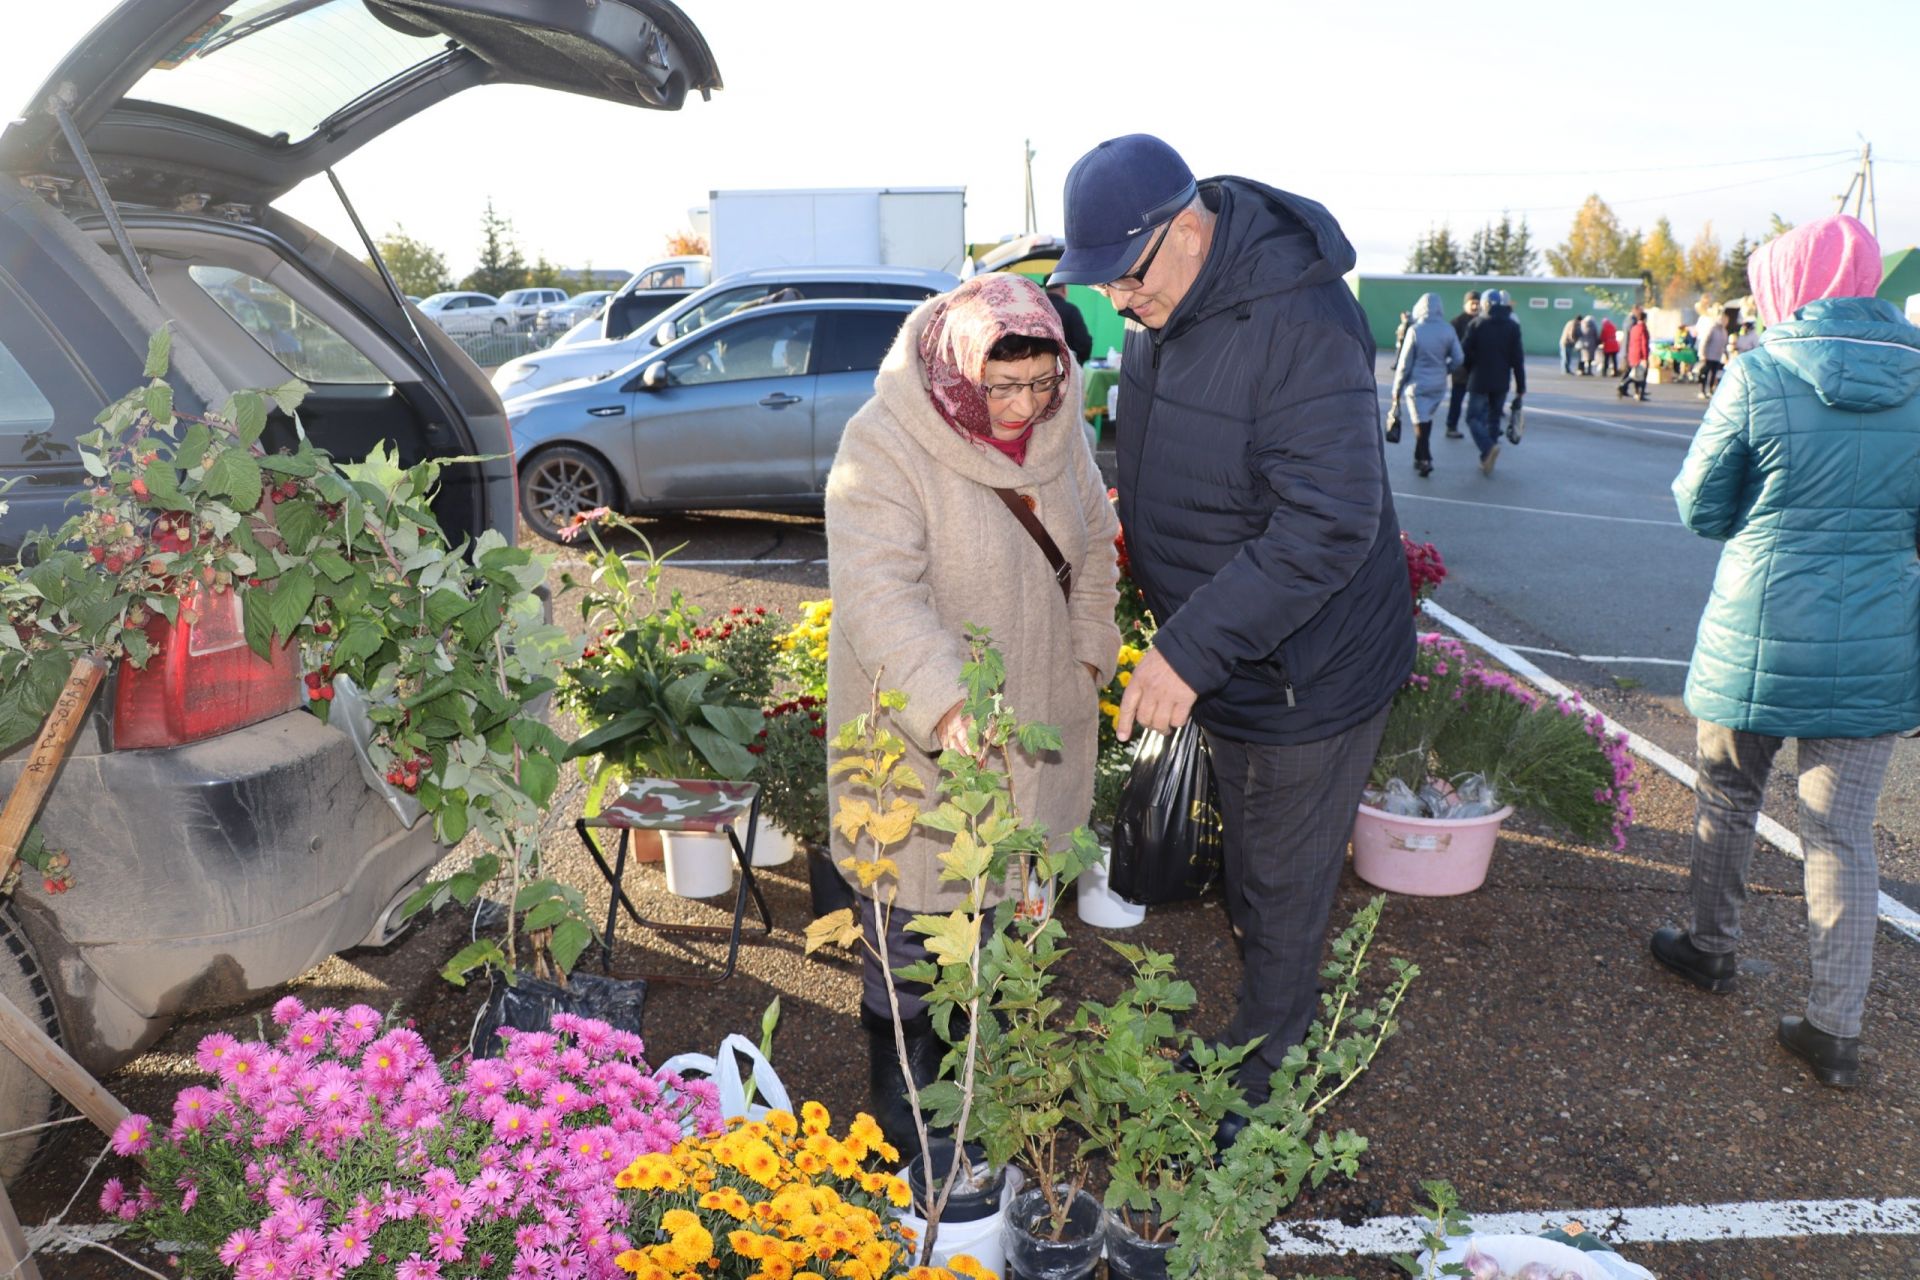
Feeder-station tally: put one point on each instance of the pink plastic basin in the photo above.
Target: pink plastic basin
(1428, 857)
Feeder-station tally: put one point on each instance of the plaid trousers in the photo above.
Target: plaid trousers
(1839, 790)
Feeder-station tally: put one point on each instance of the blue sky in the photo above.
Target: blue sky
(1395, 115)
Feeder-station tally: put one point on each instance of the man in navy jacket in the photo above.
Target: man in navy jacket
(1259, 522)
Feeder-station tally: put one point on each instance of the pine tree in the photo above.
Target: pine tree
(1435, 254)
(1733, 283)
(501, 265)
(1777, 226)
(1511, 248)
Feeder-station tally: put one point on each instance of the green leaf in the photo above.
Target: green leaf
(159, 348)
(256, 618)
(739, 723)
(359, 638)
(300, 523)
(138, 647)
(163, 486)
(683, 694)
(545, 915)
(723, 755)
(568, 941)
(538, 777)
(235, 475)
(292, 597)
(297, 465)
(614, 730)
(452, 823)
(475, 955)
(443, 607)
(159, 402)
(289, 394)
(193, 446)
(333, 565)
(91, 461)
(247, 411)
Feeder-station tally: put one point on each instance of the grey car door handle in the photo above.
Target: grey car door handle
(779, 398)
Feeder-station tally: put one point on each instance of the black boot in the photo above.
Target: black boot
(1835, 1059)
(887, 1083)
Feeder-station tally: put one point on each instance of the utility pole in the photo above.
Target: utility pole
(1860, 190)
(1032, 222)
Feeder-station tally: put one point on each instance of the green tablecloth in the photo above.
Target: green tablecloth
(1094, 406)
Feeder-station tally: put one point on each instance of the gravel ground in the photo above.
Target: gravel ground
(1545, 1062)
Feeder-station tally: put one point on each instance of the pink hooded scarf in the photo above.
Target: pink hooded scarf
(954, 346)
(1833, 257)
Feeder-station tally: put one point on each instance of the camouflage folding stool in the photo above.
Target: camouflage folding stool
(681, 804)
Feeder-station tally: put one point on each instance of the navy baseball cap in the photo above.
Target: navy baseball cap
(1116, 194)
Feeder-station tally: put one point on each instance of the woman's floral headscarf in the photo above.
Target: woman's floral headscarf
(962, 330)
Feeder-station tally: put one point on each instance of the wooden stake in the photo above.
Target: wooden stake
(53, 1064)
(56, 736)
(14, 1259)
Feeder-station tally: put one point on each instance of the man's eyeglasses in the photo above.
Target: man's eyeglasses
(1138, 277)
(1040, 387)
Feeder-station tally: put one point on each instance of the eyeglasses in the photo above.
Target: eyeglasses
(1008, 390)
(1138, 277)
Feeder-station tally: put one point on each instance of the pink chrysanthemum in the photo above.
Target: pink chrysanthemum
(132, 1135)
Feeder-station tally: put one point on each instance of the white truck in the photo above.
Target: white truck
(849, 226)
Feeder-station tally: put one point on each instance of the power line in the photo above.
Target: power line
(1581, 173)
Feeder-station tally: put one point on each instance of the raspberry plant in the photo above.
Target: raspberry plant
(345, 561)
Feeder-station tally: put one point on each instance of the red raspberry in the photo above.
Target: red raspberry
(115, 564)
(323, 628)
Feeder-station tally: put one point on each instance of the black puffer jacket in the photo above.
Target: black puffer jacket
(1253, 483)
(1495, 353)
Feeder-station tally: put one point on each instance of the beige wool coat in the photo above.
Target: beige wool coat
(918, 547)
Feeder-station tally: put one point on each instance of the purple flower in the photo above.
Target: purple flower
(132, 1135)
(417, 1268)
(286, 1009)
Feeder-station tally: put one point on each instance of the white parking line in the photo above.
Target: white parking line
(1536, 511)
(1608, 422)
(1647, 1224)
(1893, 912)
(1597, 658)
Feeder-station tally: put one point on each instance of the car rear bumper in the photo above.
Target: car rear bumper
(208, 873)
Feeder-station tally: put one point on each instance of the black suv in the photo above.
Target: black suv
(223, 839)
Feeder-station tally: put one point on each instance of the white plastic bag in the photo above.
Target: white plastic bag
(724, 1070)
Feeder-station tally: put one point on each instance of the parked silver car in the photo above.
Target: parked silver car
(558, 317)
(744, 413)
(527, 303)
(594, 359)
(459, 312)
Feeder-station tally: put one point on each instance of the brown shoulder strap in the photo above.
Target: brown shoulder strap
(1062, 571)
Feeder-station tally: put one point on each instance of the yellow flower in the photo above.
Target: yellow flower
(965, 1264)
(782, 1123)
(1126, 678)
(897, 1194)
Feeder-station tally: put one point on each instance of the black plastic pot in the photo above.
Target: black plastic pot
(962, 1206)
(1129, 1257)
(1031, 1255)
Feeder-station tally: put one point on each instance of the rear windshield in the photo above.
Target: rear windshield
(283, 66)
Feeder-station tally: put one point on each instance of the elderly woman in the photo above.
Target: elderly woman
(1808, 467)
(975, 413)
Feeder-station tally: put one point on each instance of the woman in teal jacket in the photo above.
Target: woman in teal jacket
(1808, 467)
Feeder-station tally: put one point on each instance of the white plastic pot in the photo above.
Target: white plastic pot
(1099, 905)
(1515, 1252)
(699, 864)
(771, 846)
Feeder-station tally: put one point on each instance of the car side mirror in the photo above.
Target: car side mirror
(655, 376)
(664, 334)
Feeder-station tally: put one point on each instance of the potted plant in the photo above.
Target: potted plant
(652, 702)
(343, 1146)
(792, 750)
(1465, 745)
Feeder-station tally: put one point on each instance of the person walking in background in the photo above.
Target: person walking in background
(1747, 340)
(1713, 354)
(1260, 526)
(1494, 356)
(1633, 378)
(1809, 468)
(1609, 348)
(1589, 345)
(1569, 345)
(1079, 337)
(1430, 353)
(1469, 312)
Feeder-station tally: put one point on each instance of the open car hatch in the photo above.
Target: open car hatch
(203, 102)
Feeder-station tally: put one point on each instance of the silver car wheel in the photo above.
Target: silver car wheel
(559, 485)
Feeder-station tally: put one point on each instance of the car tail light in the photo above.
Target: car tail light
(202, 680)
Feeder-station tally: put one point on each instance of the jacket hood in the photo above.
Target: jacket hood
(1499, 311)
(1429, 308)
(1858, 354)
(1266, 241)
(902, 389)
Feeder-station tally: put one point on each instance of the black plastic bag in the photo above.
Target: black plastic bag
(530, 1003)
(1167, 844)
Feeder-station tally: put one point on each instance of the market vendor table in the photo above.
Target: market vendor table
(1094, 404)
